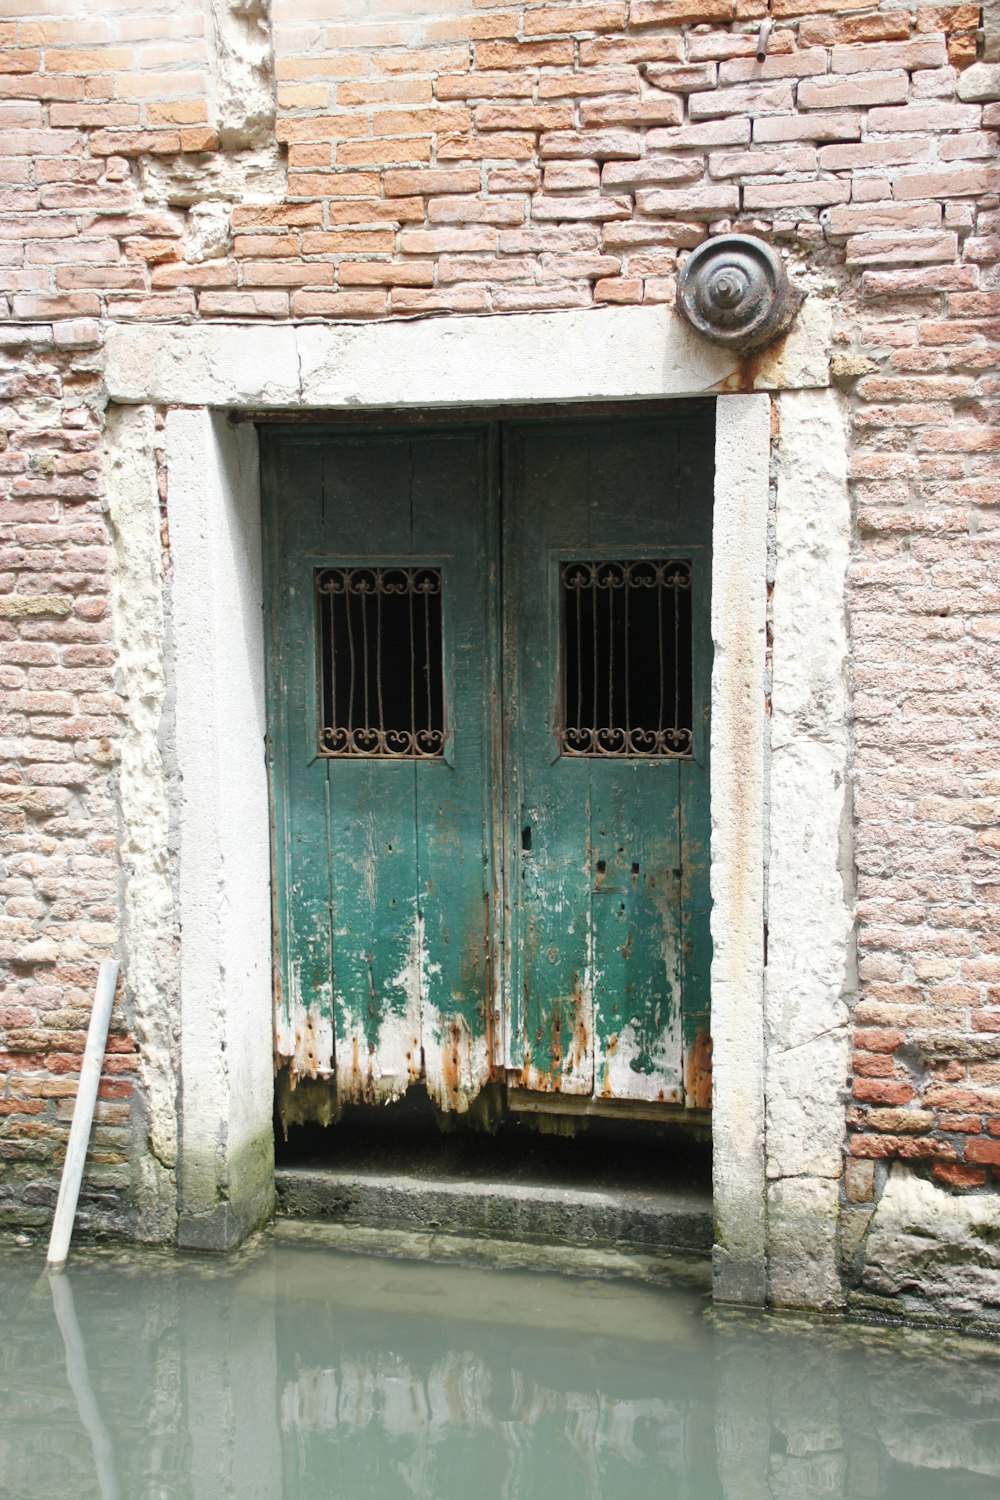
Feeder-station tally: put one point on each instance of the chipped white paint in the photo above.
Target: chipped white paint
(457, 1062)
(810, 969)
(303, 1030)
(383, 1072)
(739, 604)
(610, 353)
(621, 1074)
(149, 925)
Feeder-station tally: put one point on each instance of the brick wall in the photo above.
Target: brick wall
(492, 158)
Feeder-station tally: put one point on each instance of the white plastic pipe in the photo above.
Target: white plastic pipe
(83, 1113)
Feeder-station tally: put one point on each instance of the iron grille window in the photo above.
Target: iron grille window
(626, 668)
(381, 662)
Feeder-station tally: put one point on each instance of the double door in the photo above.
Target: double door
(489, 661)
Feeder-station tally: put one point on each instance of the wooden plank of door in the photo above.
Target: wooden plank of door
(378, 947)
(695, 485)
(634, 511)
(402, 844)
(623, 843)
(637, 931)
(454, 520)
(304, 1025)
(548, 858)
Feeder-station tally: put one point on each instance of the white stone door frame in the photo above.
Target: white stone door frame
(779, 793)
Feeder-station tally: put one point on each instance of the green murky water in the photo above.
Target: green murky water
(300, 1372)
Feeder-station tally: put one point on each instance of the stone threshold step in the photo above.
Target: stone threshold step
(658, 1268)
(658, 1220)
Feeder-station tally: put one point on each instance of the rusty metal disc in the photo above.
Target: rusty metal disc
(734, 291)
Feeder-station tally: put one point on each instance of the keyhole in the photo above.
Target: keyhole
(526, 839)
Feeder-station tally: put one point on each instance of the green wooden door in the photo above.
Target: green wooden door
(381, 623)
(607, 533)
(491, 825)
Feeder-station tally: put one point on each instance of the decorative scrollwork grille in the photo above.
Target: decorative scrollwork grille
(626, 658)
(381, 662)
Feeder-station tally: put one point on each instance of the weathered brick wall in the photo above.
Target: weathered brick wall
(59, 727)
(491, 158)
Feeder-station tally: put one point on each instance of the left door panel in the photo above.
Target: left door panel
(383, 848)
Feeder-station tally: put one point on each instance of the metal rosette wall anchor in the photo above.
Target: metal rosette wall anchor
(734, 291)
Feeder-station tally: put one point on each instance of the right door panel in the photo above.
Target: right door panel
(608, 662)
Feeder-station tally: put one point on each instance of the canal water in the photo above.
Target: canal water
(297, 1372)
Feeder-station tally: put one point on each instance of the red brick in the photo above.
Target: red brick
(953, 182)
(859, 90)
(603, 145)
(752, 99)
(439, 241)
(286, 273)
(883, 1092)
(653, 110)
(135, 142)
(947, 17)
(244, 304)
(835, 126)
(350, 241)
(605, 51)
(495, 147)
(783, 65)
(547, 20)
(652, 171)
(986, 1152)
(859, 218)
(520, 55)
(207, 273)
(444, 299)
(921, 52)
(523, 117)
(281, 216)
(810, 192)
(404, 184)
(618, 290)
(376, 210)
(485, 86)
(386, 273)
(695, 201)
(389, 122)
(572, 176)
(622, 82)
(915, 118)
(826, 31)
(339, 304)
(580, 209)
(474, 210)
(954, 1174)
(389, 152)
(901, 248)
(673, 12)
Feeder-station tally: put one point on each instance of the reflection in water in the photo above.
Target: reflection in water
(298, 1373)
(78, 1375)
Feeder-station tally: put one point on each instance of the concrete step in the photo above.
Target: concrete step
(663, 1219)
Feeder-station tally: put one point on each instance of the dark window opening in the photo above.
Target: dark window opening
(626, 658)
(381, 662)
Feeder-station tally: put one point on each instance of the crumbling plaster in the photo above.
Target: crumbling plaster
(932, 1254)
(146, 844)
